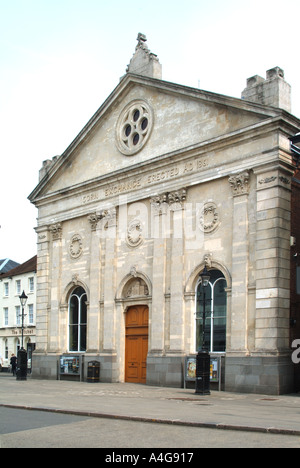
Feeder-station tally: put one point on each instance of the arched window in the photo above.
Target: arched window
(77, 320)
(215, 298)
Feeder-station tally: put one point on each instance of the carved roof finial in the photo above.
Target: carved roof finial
(144, 62)
(141, 39)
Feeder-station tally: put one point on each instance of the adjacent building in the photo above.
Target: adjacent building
(7, 264)
(163, 181)
(12, 283)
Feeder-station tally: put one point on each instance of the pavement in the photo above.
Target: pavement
(176, 406)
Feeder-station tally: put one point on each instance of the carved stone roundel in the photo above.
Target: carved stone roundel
(75, 248)
(134, 127)
(209, 218)
(134, 233)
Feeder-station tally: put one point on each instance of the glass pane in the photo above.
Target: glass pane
(73, 338)
(83, 310)
(83, 338)
(203, 307)
(73, 310)
(220, 298)
(220, 336)
(220, 312)
(78, 291)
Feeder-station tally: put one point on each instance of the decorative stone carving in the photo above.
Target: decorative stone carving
(284, 180)
(208, 260)
(240, 183)
(144, 62)
(56, 230)
(75, 279)
(75, 248)
(176, 199)
(160, 204)
(133, 271)
(93, 219)
(209, 218)
(173, 200)
(136, 288)
(268, 180)
(134, 233)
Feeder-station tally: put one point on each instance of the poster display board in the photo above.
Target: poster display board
(190, 369)
(70, 365)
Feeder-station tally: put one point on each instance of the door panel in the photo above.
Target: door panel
(136, 344)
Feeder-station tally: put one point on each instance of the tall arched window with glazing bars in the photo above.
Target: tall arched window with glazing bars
(77, 320)
(214, 299)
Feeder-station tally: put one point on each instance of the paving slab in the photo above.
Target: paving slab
(220, 410)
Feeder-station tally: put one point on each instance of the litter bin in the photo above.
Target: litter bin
(203, 373)
(93, 373)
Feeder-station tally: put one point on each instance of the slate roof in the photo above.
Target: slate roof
(7, 264)
(26, 267)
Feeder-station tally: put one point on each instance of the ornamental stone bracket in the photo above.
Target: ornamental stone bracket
(240, 183)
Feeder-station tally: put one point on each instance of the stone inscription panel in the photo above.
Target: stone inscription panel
(163, 175)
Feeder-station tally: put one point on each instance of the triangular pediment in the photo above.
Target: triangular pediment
(142, 120)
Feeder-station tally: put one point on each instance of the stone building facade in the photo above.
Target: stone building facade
(161, 182)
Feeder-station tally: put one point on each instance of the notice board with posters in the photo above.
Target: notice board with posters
(70, 366)
(190, 369)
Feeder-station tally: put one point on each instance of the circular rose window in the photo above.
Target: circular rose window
(134, 127)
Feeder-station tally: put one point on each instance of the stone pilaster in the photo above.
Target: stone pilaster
(109, 232)
(177, 317)
(159, 214)
(93, 335)
(273, 260)
(240, 263)
(42, 299)
(56, 258)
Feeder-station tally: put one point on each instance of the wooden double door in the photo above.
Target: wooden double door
(136, 347)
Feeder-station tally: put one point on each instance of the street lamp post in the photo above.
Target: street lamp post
(203, 357)
(22, 353)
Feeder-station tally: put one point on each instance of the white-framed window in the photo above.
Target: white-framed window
(5, 313)
(18, 315)
(31, 284)
(18, 287)
(30, 314)
(6, 289)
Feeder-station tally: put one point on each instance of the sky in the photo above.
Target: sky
(60, 60)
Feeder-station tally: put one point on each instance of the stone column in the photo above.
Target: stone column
(240, 264)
